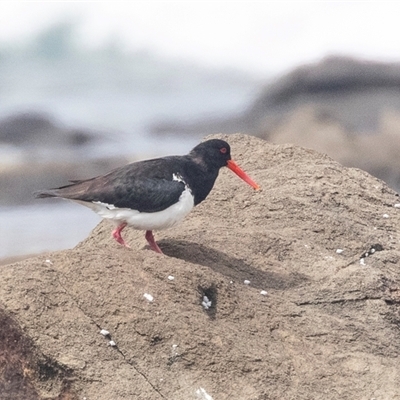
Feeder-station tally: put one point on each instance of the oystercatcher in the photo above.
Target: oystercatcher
(153, 194)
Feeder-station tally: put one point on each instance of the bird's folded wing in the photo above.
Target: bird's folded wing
(143, 194)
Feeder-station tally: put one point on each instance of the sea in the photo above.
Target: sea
(119, 97)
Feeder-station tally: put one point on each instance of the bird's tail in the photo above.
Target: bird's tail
(72, 191)
(41, 194)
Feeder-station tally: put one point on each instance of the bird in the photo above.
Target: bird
(152, 194)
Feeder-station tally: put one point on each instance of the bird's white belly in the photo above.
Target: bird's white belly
(145, 220)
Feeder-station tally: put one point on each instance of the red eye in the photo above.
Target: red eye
(223, 150)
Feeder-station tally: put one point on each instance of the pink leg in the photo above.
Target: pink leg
(154, 246)
(117, 234)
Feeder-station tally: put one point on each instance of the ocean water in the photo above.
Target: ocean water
(33, 229)
(119, 98)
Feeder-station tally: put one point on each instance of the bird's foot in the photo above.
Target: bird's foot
(116, 233)
(153, 245)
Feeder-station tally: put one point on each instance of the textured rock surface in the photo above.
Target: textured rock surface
(328, 327)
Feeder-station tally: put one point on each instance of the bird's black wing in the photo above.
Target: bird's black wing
(142, 194)
(146, 186)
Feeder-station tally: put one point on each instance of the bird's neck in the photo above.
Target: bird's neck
(200, 177)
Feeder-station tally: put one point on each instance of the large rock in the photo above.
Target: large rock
(328, 327)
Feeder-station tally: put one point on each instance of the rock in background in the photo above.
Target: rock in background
(36, 152)
(344, 107)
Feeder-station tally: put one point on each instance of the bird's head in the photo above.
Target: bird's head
(217, 154)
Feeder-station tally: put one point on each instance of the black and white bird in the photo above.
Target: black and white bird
(153, 194)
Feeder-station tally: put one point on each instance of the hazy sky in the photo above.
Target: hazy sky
(256, 36)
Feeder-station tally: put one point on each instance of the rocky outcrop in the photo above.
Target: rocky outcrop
(317, 319)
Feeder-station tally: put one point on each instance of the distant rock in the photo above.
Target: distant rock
(36, 129)
(350, 91)
(23, 180)
(37, 152)
(344, 107)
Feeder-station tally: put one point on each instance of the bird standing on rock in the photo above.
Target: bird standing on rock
(153, 194)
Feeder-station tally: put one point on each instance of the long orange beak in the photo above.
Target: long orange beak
(241, 174)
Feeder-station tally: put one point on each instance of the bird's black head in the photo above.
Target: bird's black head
(212, 152)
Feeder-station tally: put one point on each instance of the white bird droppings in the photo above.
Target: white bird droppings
(104, 332)
(246, 282)
(49, 262)
(385, 216)
(264, 292)
(397, 205)
(339, 251)
(171, 278)
(201, 394)
(112, 343)
(206, 303)
(148, 297)
(362, 261)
